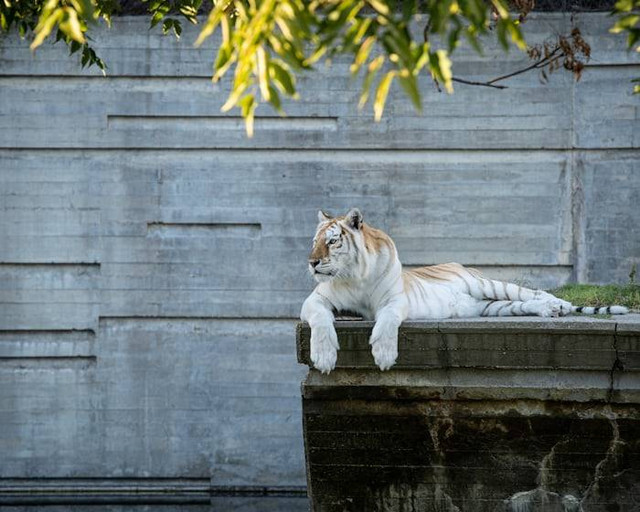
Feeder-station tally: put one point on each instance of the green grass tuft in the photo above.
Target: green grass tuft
(595, 295)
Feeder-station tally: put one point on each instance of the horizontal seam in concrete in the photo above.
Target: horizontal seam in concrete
(159, 226)
(324, 149)
(46, 331)
(207, 77)
(131, 490)
(50, 264)
(173, 317)
(274, 122)
(56, 362)
(612, 65)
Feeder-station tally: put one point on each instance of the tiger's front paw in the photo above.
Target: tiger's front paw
(324, 348)
(384, 348)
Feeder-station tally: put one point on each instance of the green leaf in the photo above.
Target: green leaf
(275, 100)
(223, 61)
(362, 25)
(408, 9)
(473, 41)
(283, 78)
(502, 34)
(188, 11)
(156, 18)
(213, 20)
(368, 80)
(453, 38)
(86, 57)
(516, 35)
(248, 106)
(234, 96)
(624, 23)
(263, 73)
(623, 5)
(501, 7)
(362, 55)
(380, 6)
(74, 46)
(85, 8)
(47, 22)
(633, 37)
(440, 66)
(410, 86)
(381, 95)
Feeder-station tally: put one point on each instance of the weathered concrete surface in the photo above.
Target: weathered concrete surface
(152, 258)
(508, 415)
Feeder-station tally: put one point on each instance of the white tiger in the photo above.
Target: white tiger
(358, 270)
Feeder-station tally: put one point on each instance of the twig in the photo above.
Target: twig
(483, 84)
(539, 64)
(545, 61)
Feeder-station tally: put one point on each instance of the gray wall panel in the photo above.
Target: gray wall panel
(612, 208)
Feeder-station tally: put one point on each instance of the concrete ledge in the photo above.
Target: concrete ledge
(572, 343)
(480, 415)
(575, 358)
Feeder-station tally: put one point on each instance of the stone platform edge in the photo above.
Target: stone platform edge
(574, 359)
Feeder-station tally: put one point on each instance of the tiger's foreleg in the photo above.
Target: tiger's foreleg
(384, 338)
(317, 311)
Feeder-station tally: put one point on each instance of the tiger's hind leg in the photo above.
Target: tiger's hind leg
(482, 288)
(538, 307)
(525, 300)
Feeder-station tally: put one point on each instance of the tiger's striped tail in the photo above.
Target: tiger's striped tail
(604, 310)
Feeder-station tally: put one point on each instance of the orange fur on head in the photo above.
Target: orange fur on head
(374, 239)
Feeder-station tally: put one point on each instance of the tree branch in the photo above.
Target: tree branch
(545, 61)
(483, 84)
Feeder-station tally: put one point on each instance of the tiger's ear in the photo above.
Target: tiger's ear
(323, 217)
(354, 218)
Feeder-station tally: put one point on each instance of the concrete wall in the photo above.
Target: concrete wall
(460, 424)
(152, 258)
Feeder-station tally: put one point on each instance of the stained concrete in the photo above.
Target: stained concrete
(487, 430)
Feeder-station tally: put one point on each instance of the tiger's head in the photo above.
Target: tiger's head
(339, 249)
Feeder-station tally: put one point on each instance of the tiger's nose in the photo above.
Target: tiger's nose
(314, 263)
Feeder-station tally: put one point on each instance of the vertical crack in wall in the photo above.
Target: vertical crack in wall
(440, 496)
(546, 464)
(616, 366)
(542, 498)
(604, 468)
(579, 272)
(578, 214)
